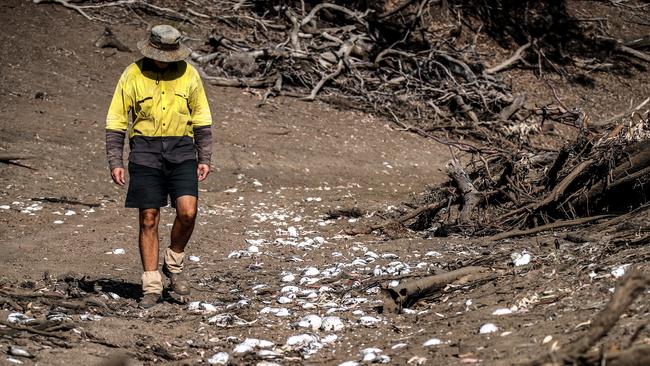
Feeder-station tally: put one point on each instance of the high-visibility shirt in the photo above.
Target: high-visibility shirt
(169, 112)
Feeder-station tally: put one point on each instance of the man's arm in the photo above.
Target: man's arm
(202, 125)
(116, 125)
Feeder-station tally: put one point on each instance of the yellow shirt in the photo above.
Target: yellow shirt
(163, 103)
(170, 115)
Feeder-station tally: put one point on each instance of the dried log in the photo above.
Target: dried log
(408, 293)
(633, 166)
(471, 196)
(556, 193)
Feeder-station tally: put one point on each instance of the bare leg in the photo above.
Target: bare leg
(184, 223)
(148, 239)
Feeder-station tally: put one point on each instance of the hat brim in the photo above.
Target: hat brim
(153, 53)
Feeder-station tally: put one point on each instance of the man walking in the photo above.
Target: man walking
(170, 139)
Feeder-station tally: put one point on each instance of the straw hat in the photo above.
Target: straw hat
(164, 44)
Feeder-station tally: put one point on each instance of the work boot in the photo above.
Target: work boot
(151, 288)
(173, 269)
(148, 301)
(177, 282)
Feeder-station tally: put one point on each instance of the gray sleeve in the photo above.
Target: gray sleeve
(115, 148)
(203, 143)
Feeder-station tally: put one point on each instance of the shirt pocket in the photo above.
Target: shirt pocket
(143, 107)
(182, 103)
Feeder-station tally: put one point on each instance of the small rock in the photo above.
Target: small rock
(194, 258)
(118, 251)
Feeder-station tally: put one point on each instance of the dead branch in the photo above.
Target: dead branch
(632, 52)
(431, 208)
(539, 229)
(25, 328)
(508, 111)
(622, 114)
(407, 294)
(510, 61)
(66, 4)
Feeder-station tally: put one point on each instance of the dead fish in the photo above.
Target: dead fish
(19, 352)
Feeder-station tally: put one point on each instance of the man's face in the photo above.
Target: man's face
(161, 64)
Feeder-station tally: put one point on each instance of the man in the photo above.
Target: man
(170, 139)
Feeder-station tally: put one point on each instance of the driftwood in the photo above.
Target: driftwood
(407, 294)
(471, 196)
(10, 159)
(629, 288)
(551, 226)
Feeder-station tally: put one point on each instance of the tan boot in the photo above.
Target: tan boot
(148, 301)
(151, 288)
(173, 269)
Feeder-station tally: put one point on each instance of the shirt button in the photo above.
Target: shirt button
(163, 108)
(163, 92)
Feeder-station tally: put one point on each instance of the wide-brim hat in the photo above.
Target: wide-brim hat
(164, 44)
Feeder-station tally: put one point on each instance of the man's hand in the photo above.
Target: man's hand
(118, 176)
(202, 171)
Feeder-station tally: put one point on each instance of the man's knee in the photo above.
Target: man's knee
(187, 216)
(149, 220)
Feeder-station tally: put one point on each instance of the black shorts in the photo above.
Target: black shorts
(150, 187)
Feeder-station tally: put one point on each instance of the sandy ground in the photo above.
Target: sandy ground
(264, 254)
